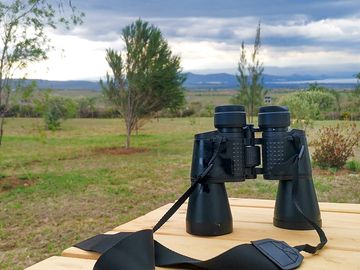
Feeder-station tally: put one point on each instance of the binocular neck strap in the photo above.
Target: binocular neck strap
(323, 240)
(139, 251)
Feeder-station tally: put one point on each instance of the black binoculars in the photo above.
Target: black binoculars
(238, 157)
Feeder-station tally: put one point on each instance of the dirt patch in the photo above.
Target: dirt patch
(119, 150)
(11, 182)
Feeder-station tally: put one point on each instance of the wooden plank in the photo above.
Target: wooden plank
(74, 252)
(324, 206)
(63, 263)
(251, 214)
(339, 239)
(253, 220)
(66, 263)
(249, 225)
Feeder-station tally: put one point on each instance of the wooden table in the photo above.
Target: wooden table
(252, 221)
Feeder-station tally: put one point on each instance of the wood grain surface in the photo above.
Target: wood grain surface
(252, 221)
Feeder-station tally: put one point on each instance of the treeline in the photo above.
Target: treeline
(317, 103)
(85, 107)
(96, 107)
(321, 103)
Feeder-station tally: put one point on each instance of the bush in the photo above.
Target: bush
(345, 116)
(334, 145)
(300, 109)
(207, 110)
(312, 104)
(55, 109)
(87, 107)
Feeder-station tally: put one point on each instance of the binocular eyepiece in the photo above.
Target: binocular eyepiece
(239, 154)
(234, 116)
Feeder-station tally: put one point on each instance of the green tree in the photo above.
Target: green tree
(24, 40)
(146, 77)
(301, 110)
(357, 88)
(306, 106)
(315, 87)
(251, 92)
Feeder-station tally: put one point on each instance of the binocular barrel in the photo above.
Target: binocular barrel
(238, 159)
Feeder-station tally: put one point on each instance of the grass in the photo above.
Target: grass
(68, 190)
(353, 165)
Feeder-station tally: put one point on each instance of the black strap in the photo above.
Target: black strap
(323, 240)
(139, 251)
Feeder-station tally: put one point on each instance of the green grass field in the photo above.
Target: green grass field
(59, 188)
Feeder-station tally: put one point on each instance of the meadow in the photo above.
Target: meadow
(57, 188)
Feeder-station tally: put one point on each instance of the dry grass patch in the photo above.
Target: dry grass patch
(119, 150)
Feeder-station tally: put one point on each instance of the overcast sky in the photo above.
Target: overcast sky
(297, 36)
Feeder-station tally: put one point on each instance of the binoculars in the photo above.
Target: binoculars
(239, 153)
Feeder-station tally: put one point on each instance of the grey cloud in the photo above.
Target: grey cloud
(287, 25)
(221, 9)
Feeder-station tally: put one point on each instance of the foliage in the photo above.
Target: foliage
(353, 165)
(309, 105)
(300, 109)
(345, 116)
(55, 109)
(146, 78)
(251, 92)
(319, 101)
(356, 94)
(22, 100)
(24, 39)
(334, 145)
(336, 94)
(87, 107)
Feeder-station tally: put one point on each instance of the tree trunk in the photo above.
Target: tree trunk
(2, 128)
(128, 136)
(252, 112)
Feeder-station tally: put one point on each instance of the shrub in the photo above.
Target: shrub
(87, 107)
(207, 110)
(55, 109)
(345, 116)
(309, 105)
(300, 109)
(334, 145)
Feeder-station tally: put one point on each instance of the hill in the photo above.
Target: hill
(220, 81)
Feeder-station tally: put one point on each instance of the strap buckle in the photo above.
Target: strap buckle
(280, 253)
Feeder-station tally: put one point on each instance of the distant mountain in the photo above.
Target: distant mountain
(220, 81)
(211, 81)
(295, 81)
(68, 85)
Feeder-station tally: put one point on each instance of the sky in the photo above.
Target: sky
(298, 36)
